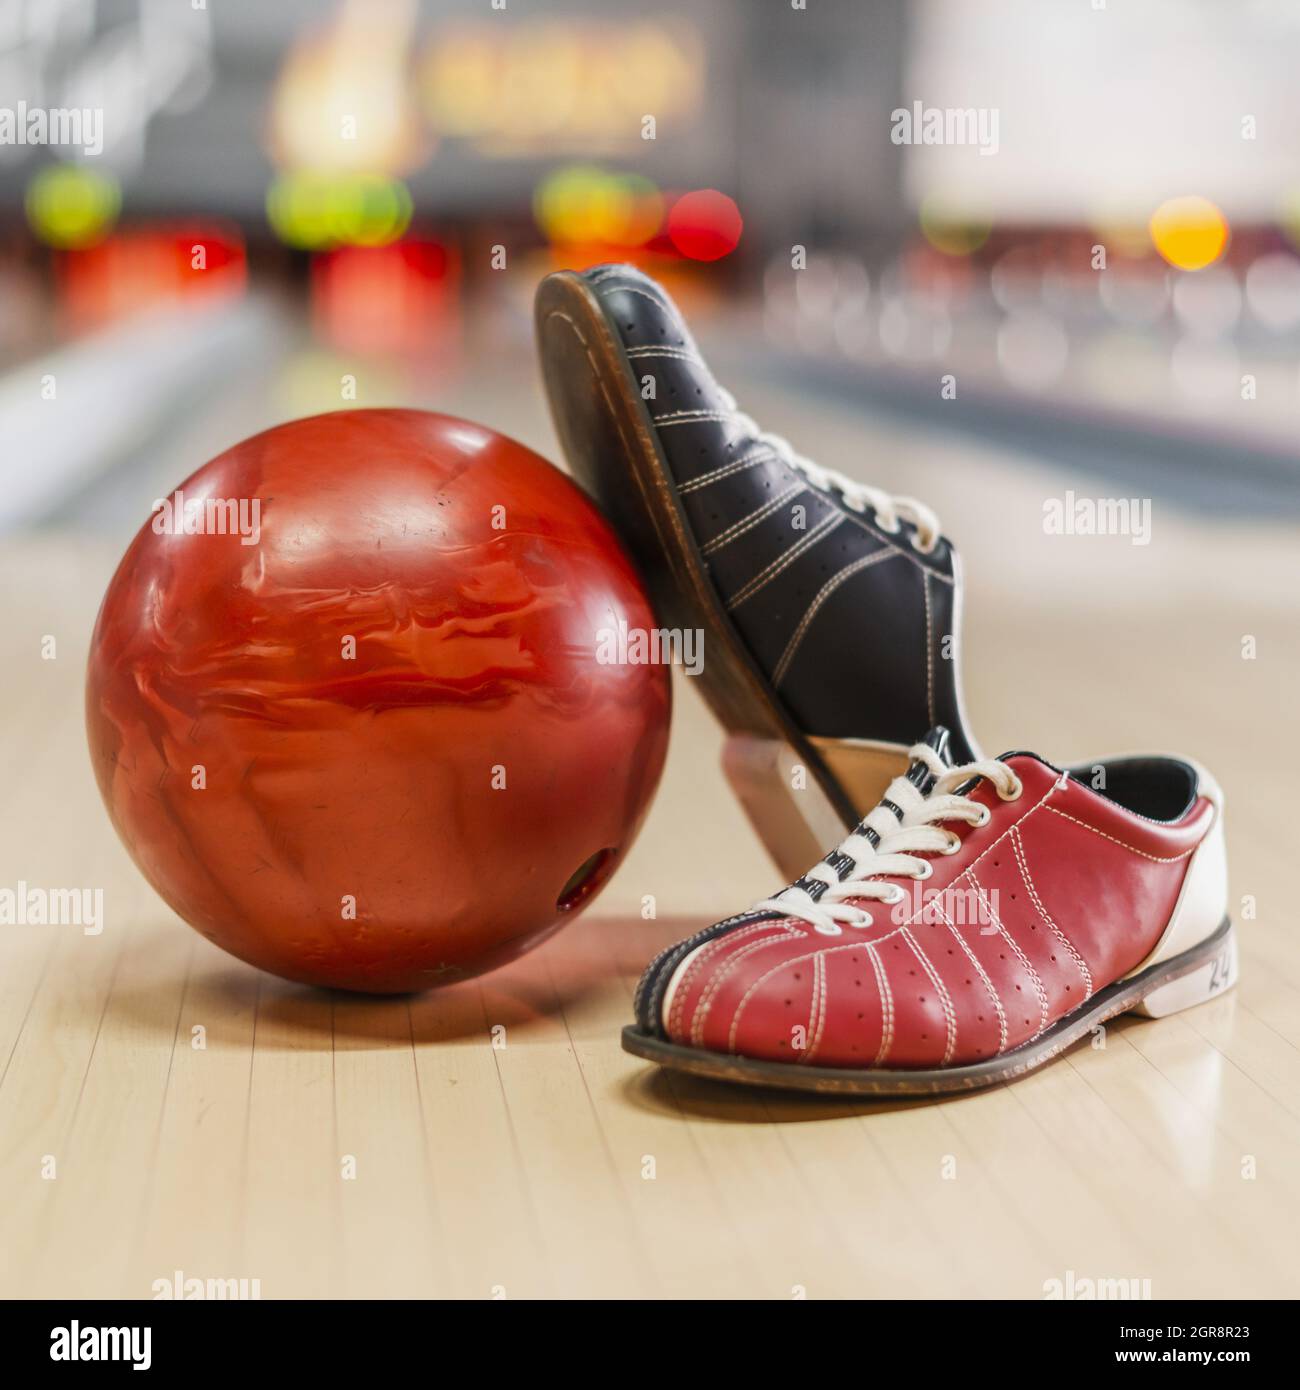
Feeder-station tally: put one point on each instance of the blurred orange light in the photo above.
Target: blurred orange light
(705, 225)
(1190, 233)
(584, 204)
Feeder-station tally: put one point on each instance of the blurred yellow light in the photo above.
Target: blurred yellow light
(1190, 233)
(660, 66)
(586, 204)
(312, 211)
(72, 207)
(566, 203)
(460, 83)
(543, 70)
(955, 232)
(556, 84)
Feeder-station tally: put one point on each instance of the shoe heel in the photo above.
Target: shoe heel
(785, 804)
(1205, 981)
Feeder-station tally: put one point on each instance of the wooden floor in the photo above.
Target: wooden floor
(326, 1145)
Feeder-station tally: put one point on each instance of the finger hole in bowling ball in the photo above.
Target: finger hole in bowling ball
(585, 879)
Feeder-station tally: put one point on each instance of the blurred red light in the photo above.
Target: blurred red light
(402, 298)
(147, 265)
(705, 225)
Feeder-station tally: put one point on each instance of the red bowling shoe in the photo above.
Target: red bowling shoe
(979, 920)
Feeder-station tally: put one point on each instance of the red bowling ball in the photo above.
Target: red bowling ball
(352, 707)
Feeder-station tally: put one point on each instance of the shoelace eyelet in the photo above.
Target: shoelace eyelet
(952, 846)
(929, 869)
(897, 897)
(834, 929)
(985, 816)
(1014, 793)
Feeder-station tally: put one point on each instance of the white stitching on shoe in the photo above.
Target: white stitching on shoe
(757, 983)
(633, 289)
(817, 1013)
(687, 417)
(1017, 846)
(772, 970)
(675, 353)
(690, 417)
(714, 475)
(945, 999)
(755, 518)
(1155, 859)
(983, 974)
(604, 272)
(704, 1006)
(929, 649)
(765, 576)
(826, 590)
(1043, 1004)
(888, 538)
(886, 1006)
(701, 959)
(857, 495)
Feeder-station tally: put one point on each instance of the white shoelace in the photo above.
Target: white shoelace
(857, 496)
(900, 841)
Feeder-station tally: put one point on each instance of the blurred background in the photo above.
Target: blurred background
(1089, 283)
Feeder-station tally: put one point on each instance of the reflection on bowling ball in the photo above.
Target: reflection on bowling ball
(354, 706)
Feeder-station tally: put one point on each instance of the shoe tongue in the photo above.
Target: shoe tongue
(919, 775)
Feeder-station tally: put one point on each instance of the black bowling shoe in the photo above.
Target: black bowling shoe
(830, 609)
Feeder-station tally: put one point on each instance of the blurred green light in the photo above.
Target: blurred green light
(71, 207)
(314, 211)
